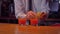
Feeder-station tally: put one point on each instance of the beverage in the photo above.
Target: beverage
(34, 21)
(22, 21)
(38, 15)
(41, 15)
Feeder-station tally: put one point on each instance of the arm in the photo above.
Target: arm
(19, 8)
(45, 6)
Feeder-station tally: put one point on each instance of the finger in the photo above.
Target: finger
(31, 14)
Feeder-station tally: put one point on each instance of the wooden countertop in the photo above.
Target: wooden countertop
(17, 29)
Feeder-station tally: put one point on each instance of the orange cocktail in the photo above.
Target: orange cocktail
(34, 21)
(22, 21)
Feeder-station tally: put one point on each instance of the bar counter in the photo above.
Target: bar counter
(6, 28)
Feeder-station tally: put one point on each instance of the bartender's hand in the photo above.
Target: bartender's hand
(31, 14)
(43, 15)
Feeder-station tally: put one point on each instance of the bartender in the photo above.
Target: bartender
(22, 7)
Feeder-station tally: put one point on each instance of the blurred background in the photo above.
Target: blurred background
(7, 11)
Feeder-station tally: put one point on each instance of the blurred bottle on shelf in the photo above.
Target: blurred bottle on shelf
(4, 9)
(11, 9)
